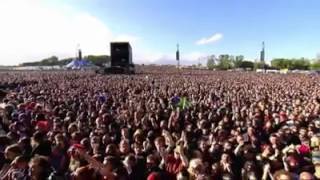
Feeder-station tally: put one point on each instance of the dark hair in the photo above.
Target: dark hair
(38, 136)
(40, 161)
(113, 161)
(15, 149)
(111, 149)
(76, 136)
(44, 164)
(2, 94)
(21, 159)
(98, 157)
(153, 158)
(4, 140)
(184, 173)
(131, 157)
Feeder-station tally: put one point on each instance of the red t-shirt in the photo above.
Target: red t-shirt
(173, 165)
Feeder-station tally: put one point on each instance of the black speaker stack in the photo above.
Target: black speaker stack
(121, 59)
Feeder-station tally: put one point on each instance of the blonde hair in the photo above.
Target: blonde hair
(194, 163)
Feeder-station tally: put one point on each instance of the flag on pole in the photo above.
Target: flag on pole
(184, 103)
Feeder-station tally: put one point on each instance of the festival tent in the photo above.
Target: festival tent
(80, 64)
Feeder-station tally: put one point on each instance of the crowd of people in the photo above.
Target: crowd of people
(162, 124)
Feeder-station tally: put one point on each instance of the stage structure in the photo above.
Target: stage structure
(178, 56)
(262, 54)
(121, 59)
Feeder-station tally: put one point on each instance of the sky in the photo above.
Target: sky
(32, 29)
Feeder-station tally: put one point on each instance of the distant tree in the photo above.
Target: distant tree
(302, 64)
(30, 64)
(260, 65)
(53, 61)
(64, 62)
(231, 61)
(246, 64)
(315, 65)
(211, 62)
(238, 61)
(98, 60)
(282, 63)
(224, 62)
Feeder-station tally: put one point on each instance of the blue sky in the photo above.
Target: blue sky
(289, 28)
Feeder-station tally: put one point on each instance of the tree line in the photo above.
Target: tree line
(222, 62)
(226, 61)
(54, 61)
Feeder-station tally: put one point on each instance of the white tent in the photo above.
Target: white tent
(80, 64)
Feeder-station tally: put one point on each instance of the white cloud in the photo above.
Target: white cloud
(212, 39)
(31, 30)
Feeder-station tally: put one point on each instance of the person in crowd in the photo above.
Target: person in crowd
(10, 153)
(306, 176)
(39, 168)
(18, 169)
